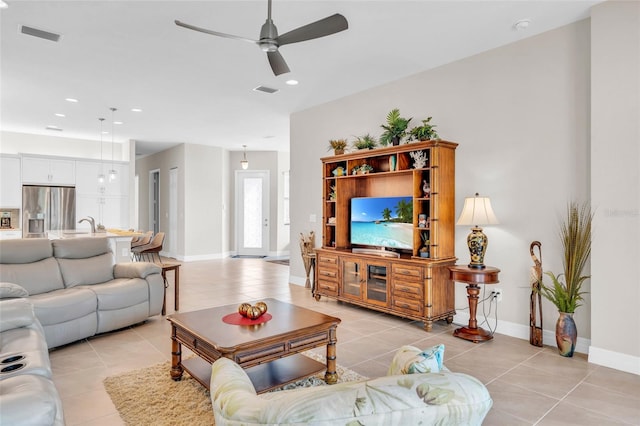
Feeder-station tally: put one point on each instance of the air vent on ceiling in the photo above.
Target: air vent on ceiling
(265, 89)
(39, 33)
(57, 129)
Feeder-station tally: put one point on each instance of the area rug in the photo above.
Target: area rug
(279, 261)
(150, 397)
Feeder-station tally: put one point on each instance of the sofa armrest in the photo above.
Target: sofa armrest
(135, 270)
(16, 313)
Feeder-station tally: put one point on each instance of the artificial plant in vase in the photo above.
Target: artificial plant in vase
(423, 132)
(338, 145)
(365, 142)
(395, 129)
(565, 290)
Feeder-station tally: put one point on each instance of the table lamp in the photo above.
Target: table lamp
(477, 211)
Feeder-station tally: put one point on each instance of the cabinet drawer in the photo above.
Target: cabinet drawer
(327, 261)
(407, 271)
(328, 273)
(327, 288)
(407, 289)
(407, 305)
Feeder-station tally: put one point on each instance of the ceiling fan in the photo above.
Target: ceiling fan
(270, 41)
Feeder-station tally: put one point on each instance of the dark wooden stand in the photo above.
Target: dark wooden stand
(473, 277)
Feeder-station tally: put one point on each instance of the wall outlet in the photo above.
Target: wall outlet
(496, 294)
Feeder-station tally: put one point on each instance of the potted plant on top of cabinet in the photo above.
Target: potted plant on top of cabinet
(395, 129)
(424, 132)
(575, 236)
(365, 142)
(338, 145)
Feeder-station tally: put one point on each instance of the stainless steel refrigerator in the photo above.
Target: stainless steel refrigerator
(47, 208)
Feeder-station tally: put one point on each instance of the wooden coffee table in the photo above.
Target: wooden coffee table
(269, 352)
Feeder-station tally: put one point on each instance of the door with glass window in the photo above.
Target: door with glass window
(252, 212)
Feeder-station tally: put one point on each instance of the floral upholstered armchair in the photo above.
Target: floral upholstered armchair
(432, 395)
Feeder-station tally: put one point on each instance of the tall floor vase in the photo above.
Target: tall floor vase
(566, 334)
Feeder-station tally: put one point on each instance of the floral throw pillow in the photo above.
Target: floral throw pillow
(411, 360)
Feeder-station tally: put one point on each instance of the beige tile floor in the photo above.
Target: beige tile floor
(529, 385)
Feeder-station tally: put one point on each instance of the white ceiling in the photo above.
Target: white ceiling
(197, 88)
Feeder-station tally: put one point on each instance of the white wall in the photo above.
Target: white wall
(615, 182)
(521, 116)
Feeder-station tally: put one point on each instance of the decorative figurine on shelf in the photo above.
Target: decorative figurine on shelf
(338, 171)
(426, 188)
(332, 194)
(424, 250)
(422, 220)
(419, 159)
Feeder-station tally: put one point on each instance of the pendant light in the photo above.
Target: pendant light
(244, 162)
(113, 173)
(101, 173)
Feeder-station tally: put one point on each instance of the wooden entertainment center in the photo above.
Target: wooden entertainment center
(397, 281)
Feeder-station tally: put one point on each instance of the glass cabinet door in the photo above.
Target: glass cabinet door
(377, 286)
(352, 279)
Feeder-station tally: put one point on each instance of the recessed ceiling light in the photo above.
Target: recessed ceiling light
(118, 122)
(269, 136)
(522, 24)
(292, 82)
(3, 5)
(56, 128)
(57, 114)
(136, 110)
(71, 100)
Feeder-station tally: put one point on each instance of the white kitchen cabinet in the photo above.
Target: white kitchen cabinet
(112, 212)
(87, 179)
(10, 184)
(48, 171)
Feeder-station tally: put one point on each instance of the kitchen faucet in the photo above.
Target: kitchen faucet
(92, 221)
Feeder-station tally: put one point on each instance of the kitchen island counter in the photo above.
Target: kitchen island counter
(120, 243)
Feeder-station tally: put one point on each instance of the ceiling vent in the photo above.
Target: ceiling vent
(39, 33)
(265, 89)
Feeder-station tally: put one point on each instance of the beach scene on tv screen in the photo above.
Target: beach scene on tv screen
(382, 221)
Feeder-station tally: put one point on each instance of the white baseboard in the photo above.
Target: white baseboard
(615, 360)
(522, 331)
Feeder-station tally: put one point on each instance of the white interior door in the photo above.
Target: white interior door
(252, 212)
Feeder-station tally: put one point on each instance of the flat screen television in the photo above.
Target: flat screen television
(382, 222)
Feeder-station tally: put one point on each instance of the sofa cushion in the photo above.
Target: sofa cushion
(63, 305)
(411, 360)
(93, 270)
(11, 290)
(80, 248)
(120, 293)
(27, 250)
(37, 277)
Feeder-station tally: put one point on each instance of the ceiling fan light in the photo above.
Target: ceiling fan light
(268, 46)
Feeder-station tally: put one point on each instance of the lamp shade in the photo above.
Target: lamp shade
(477, 211)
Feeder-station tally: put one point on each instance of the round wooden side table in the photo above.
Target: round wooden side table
(473, 277)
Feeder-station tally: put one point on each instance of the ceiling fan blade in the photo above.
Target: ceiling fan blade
(278, 65)
(324, 27)
(215, 33)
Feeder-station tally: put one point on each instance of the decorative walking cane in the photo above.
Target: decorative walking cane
(535, 279)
